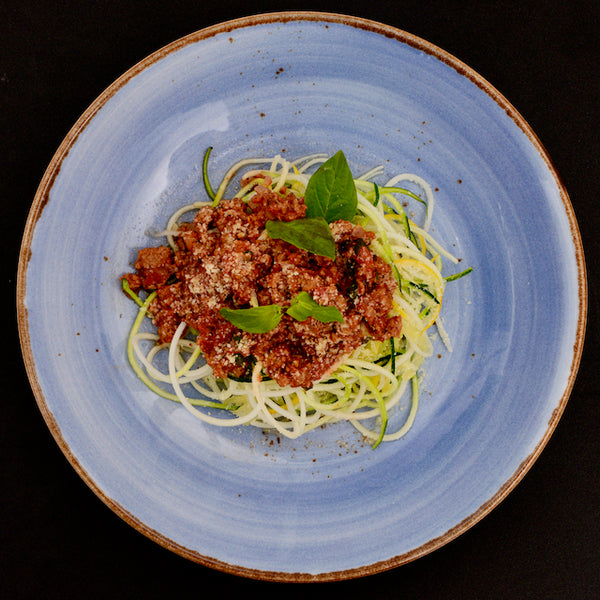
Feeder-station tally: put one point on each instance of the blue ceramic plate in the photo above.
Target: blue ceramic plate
(325, 506)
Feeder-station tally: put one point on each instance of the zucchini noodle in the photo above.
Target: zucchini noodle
(365, 387)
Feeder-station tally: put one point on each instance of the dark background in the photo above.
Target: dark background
(58, 540)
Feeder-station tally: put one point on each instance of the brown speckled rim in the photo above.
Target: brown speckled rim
(41, 199)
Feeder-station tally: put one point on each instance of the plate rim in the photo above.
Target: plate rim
(42, 197)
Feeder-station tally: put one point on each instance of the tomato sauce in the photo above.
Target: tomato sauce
(225, 258)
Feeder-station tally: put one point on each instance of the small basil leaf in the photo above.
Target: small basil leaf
(303, 306)
(330, 192)
(312, 235)
(258, 319)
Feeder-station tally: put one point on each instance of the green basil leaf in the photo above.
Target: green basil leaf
(303, 306)
(331, 192)
(258, 319)
(312, 235)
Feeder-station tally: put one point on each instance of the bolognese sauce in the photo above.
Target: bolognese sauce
(225, 259)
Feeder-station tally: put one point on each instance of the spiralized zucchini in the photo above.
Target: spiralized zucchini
(372, 380)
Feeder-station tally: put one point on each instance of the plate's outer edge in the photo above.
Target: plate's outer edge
(42, 196)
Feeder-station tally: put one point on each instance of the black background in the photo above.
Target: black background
(58, 540)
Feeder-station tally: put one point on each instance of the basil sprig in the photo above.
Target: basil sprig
(312, 235)
(303, 306)
(260, 319)
(330, 195)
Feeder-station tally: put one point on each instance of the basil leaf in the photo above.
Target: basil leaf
(303, 306)
(258, 319)
(312, 235)
(331, 192)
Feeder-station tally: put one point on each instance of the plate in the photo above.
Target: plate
(325, 506)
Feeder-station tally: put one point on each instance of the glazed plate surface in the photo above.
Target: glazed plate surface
(325, 506)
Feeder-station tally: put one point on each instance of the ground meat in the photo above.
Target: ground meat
(226, 259)
(154, 266)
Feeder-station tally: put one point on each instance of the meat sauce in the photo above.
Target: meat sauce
(225, 258)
